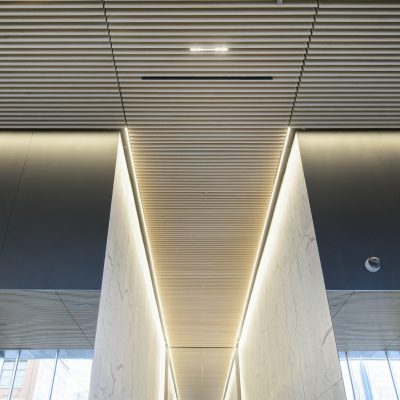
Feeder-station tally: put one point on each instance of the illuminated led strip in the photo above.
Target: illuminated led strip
(151, 276)
(209, 49)
(267, 222)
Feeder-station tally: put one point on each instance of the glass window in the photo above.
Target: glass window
(7, 364)
(346, 376)
(45, 374)
(378, 372)
(370, 375)
(394, 363)
(72, 378)
(6, 373)
(20, 374)
(34, 375)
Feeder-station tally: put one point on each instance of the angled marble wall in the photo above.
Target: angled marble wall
(287, 348)
(129, 358)
(232, 389)
(171, 386)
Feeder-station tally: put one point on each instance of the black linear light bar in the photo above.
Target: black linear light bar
(206, 78)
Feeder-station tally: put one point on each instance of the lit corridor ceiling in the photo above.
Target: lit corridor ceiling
(205, 150)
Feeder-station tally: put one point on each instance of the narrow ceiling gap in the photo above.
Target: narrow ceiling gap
(136, 194)
(114, 63)
(303, 63)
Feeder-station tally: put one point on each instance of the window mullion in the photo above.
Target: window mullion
(14, 373)
(392, 375)
(53, 375)
(1, 365)
(351, 375)
(365, 380)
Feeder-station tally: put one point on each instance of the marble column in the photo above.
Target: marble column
(287, 348)
(129, 359)
(232, 387)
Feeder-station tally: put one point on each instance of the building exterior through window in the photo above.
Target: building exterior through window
(371, 375)
(45, 374)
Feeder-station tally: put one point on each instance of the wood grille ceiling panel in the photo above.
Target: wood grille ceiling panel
(205, 152)
(202, 371)
(352, 71)
(56, 66)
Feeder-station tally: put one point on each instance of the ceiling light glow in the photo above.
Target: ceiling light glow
(209, 49)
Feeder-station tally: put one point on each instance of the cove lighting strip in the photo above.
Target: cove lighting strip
(151, 276)
(287, 146)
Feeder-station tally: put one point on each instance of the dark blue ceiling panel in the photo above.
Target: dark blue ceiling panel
(56, 210)
(353, 183)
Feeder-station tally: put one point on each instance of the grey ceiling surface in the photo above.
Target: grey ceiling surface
(48, 319)
(365, 320)
(205, 152)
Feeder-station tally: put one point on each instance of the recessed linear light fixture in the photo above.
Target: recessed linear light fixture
(196, 49)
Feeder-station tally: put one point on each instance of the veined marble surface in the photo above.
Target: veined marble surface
(129, 359)
(287, 349)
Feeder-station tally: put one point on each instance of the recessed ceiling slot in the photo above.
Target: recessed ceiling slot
(206, 78)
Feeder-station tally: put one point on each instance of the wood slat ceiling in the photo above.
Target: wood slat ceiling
(352, 70)
(206, 155)
(56, 67)
(205, 152)
(203, 379)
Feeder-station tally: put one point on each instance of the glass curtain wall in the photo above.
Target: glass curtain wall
(371, 375)
(45, 374)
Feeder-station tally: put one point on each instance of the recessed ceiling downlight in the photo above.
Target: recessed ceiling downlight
(221, 49)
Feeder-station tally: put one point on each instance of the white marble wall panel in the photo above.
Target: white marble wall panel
(232, 390)
(287, 348)
(129, 359)
(171, 386)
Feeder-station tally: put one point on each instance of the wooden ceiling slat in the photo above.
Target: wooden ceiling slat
(361, 89)
(205, 152)
(56, 67)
